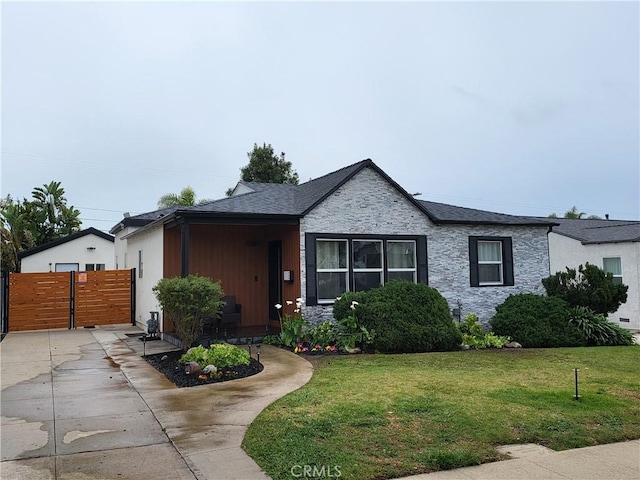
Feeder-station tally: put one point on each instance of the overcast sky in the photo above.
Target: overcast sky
(516, 107)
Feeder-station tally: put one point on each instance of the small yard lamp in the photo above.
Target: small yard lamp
(258, 349)
(575, 373)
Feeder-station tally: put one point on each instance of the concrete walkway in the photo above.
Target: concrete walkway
(83, 404)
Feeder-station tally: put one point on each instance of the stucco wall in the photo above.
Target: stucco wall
(151, 244)
(74, 251)
(567, 252)
(368, 204)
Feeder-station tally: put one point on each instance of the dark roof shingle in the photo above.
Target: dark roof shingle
(598, 231)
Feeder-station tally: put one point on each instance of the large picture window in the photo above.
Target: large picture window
(490, 261)
(348, 263)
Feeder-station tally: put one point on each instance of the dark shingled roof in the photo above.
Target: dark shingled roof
(295, 201)
(598, 231)
(68, 238)
(443, 213)
(282, 199)
(142, 219)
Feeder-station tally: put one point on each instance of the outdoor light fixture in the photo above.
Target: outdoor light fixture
(258, 349)
(91, 248)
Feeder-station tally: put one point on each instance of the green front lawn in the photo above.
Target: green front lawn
(387, 416)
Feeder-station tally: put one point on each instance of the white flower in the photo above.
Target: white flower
(339, 298)
(278, 306)
(352, 307)
(297, 310)
(299, 300)
(289, 302)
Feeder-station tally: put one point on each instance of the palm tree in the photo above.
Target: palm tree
(573, 213)
(14, 234)
(186, 198)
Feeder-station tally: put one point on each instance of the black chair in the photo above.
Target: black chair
(231, 315)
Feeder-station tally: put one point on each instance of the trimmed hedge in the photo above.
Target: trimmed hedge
(537, 321)
(406, 318)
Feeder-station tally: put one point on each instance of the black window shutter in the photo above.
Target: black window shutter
(310, 259)
(473, 261)
(423, 266)
(507, 259)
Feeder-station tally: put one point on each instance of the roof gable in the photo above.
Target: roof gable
(69, 238)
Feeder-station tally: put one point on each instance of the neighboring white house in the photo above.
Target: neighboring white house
(87, 250)
(613, 245)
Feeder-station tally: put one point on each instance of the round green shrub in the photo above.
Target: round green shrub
(406, 318)
(536, 321)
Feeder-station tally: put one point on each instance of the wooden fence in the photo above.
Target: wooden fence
(39, 301)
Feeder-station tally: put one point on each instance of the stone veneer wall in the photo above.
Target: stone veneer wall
(368, 204)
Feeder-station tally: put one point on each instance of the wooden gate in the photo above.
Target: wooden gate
(40, 301)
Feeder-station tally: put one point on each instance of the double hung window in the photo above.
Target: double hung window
(490, 261)
(613, 265)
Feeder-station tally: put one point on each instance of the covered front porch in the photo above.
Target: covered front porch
(257, 263)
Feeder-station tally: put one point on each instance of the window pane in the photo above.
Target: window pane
(100, 266)
(367, 254)
(612, 265)
(490, 273)
(89, 267)
(408, 276)
(331, 285)
(401, 254)
(489, 251)
(363, 281)
(331, 254)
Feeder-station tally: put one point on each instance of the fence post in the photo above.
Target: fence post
(4, 303)
(133, 296)
(72, 294)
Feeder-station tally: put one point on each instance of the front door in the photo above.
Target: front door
(275, 278)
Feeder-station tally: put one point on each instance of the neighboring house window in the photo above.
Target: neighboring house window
(139, 263)
(90, 267)
(332, 268)
(357, 263)
(490, 261)
(125, 260)
(67, 267)
(613, 265)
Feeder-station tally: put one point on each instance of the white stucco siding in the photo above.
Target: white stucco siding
(567, 252)
(368, 204)
(150, 242)
(83, 250)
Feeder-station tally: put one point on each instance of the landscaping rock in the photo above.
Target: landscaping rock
(210, 369)
(192, 368)
(512, 345)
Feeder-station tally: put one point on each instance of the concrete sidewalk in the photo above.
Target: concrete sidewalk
(83, 404)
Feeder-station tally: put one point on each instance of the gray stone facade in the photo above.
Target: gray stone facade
(368, 204)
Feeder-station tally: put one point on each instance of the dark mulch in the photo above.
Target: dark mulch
(174, 371)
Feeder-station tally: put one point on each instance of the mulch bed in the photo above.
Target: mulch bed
(174, 371)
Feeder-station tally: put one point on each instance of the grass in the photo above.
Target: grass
(387, 416)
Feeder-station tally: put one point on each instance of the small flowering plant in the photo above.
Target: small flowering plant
(292, 326)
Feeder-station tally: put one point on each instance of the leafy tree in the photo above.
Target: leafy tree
(187, 302)
(186, 198)
(31, 223)
(266, 167)
(14, 233)
(589, 287)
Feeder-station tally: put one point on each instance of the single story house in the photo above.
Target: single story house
(89, 249)
(613, 245)
(352, 229)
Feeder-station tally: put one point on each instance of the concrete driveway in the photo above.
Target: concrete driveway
(83, 404)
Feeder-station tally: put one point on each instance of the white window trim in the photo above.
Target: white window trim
(491, 262)
(621, 269)
(379, 270)
(344, 271)
(415, 259)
